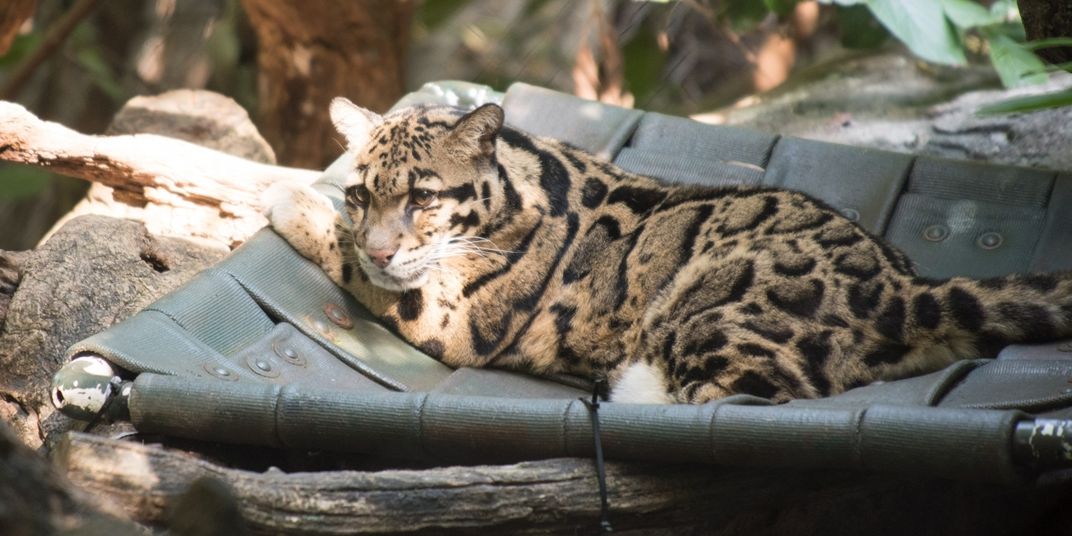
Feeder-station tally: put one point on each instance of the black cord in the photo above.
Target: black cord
(601, 472)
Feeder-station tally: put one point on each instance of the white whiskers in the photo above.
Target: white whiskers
(457, 246)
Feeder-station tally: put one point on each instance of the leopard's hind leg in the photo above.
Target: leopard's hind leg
(713, 335)
(707, 357)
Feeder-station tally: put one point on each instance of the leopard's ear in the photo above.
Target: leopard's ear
(353, 122)
(474, 134)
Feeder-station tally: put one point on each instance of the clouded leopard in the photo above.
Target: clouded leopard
(485, 246)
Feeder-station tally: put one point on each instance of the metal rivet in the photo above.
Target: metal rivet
(990, 240)
(288, 354)
(936, 233)
(1065, 347)
(219, 372)
(262, 367)
(338, 316)
(851, 214)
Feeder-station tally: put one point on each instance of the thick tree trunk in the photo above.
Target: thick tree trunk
(1047, 19)
(311, 52)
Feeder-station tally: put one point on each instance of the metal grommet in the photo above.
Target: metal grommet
(288, 354)
(936, 233)
(218, 371)
(990, 240)
(338, 316)
(851, 214)
(262, 366)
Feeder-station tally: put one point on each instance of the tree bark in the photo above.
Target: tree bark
(1045, 19)
(558, 496)
(91, 274)
(311, 52)
(550, 496)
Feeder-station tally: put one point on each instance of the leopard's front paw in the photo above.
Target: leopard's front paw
(304, 218)
(281, 200)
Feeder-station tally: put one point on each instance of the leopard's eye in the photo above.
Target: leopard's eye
(421, 197)
(357, 195)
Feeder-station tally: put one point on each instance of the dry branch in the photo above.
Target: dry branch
(193, 191)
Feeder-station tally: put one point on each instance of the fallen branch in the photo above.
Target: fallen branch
(196, 192)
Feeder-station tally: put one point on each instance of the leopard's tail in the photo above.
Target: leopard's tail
(964, 318)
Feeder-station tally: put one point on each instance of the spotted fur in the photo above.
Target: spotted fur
(485, 246)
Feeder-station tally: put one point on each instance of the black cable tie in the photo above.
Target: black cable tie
(601, 472)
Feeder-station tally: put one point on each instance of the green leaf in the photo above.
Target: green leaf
(18, 182)
(923, 27)
(859, 29)
(1002, 9)
(1016, 65)
(1029, 104)
(967, 14)
(1067, 66)
(1053, 42)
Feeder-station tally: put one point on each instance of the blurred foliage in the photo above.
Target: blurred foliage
(1033, 103)
(16, 181)
(20, 181)
(90, 57)
(943, 31)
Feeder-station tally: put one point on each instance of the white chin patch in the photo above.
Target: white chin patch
(641, 383)
(381, 278)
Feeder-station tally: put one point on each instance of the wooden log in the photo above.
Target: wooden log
(538, 497)
(557, 496)
(200, 193)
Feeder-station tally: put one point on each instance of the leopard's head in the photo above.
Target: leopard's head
(423, 184)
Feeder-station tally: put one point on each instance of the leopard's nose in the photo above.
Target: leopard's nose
(382, 257)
